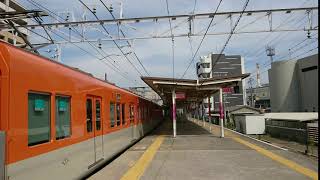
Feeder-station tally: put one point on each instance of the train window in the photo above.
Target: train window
(98, 115)
(131, 109)
(112, 114)
(38, 118)
(89, 115)
(63, 116)
(118, 114)
(123, 111)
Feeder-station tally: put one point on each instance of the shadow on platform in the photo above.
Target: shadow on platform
(184, 127)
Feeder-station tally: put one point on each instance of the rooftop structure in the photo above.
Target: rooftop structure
(12, 36)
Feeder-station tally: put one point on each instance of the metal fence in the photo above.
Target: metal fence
(313, 133)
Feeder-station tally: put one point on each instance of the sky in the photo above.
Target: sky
(156, 54)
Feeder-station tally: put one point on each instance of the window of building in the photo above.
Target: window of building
(206, 65)
(98, 115)
(123, 110)
(89, 115)
(118, 114)
(205, 75)
(112, 111)
(38, 118)
(63, 116)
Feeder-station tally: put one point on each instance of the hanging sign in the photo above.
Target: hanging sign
(227, 90)
(180, 95)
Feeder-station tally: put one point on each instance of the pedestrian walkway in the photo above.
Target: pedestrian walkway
(199, 153)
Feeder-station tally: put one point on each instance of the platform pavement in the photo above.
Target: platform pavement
(198, 153)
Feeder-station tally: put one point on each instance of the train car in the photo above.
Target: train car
(58, 122)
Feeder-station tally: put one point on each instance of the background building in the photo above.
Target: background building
(148, 93)
(294, 85)
(259, 97)
(210, 66)
(11, 36)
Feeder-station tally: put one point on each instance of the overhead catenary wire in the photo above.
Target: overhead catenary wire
(56, 16)
(268, 35)
(122, 33)
(308, 51)
(229, 37)
(172, 39)
(117, 45)
(274, 40)
(117, 70)
(298, 48)
(305, 52)
(204, 36)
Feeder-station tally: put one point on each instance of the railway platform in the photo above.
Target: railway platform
(198, 152)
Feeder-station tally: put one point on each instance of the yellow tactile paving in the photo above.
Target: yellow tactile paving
(284, 161)
(292, 165)
(141, 165)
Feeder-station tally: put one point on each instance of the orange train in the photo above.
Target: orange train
(59, 122)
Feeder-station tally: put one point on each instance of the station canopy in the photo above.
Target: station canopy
(192, 90)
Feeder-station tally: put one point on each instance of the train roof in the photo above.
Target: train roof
(73, 69)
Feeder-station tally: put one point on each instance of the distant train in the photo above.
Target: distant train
(57, 122)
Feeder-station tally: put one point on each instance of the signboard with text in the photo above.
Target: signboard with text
(180, 95)
(227, 90)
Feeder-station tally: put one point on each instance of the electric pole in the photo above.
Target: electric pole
(270, 52)
(251, 90)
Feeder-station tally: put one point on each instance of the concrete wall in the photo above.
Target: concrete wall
(284, 86)
(308, 76)
(294, 85)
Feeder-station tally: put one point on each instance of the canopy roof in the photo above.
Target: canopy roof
(194, 90)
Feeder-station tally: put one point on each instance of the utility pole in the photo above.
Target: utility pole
(270, 52)
(258, 75)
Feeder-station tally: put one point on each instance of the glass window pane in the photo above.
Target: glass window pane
(89, 115)
(63, 116)
(38, 118)
(112, 114)
(118, 114)
(98, 115)
(123, 110)
(131, 113)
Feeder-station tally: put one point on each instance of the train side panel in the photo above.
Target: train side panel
(75, 155)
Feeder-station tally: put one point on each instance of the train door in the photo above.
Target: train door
(131, 117)
(98, 135)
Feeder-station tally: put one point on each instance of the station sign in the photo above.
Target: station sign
(180, 95)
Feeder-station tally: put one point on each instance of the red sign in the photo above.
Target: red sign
(180, 95)
(227, 90)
